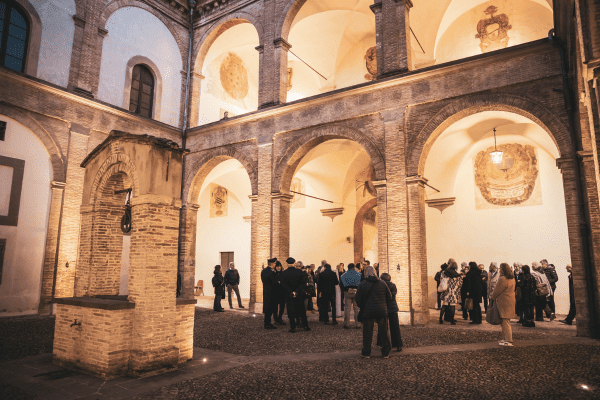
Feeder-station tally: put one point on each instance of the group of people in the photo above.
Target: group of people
(520, 292)
(231, 281)
(371, 298)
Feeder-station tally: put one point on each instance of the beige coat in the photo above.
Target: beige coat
(504, 295)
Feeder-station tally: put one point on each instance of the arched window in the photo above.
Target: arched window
(14, 34)
(142, 91)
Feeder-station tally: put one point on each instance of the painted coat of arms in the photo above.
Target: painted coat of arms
(371, 61)
(493, 31)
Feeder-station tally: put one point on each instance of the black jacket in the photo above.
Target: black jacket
(217, 282)
(328, 280)
(528, 287)
(232, 277)
(266, 276)
(293, 280)
(392, 305)
(278, 290)
(473, 285)
(571, 289)
(552, 276)
(373, 304)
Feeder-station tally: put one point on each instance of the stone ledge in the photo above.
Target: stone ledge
(94, 302)
(181, 302)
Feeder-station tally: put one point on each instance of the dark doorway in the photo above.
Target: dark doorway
(226, 258)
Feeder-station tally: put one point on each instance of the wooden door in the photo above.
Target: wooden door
(226, 258)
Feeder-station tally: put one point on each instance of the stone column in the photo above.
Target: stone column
(153, 283)
(578, 244)
(397, 218)
(281, 225)
(417, 249)
(382, 226)
(69, 227)
(194, 102)
(187, 252)
(56, 198)
(393, 37)
(261, 225)
(76, 52)
(273, 60)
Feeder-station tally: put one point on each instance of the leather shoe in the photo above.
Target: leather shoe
(292, 331)
(270, 326)
(325, 322)
(564, 321)
(334, 323)
(242, 307)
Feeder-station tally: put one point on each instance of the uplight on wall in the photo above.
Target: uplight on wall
(496, 154)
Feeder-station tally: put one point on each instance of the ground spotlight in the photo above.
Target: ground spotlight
(204, 360)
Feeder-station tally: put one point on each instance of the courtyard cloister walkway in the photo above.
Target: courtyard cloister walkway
(234, 358)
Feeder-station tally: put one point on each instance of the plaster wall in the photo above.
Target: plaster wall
(225, 234)
(56, 46)
(510, 234)
(135, 32)
(25, 245)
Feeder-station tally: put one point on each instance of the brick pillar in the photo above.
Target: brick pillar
(261, 226)
(417, 249)
(153, 283)
(76, 52)
(84, 260)
(194, 103)
(187, 252)
(578, 246)
(272, 85)
(281, 225)
(382, 226)
(56, 197)
(69, 227)
(88, 77)
(393, 36)
(397, 211)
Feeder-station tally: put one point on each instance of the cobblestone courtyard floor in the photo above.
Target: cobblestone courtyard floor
(235, 358)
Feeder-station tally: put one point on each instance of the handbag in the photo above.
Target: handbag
(542, 290)
(469, 304)
(493, 315)
(360, 317)
(443, 285)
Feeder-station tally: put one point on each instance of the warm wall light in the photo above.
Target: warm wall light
(496, 155)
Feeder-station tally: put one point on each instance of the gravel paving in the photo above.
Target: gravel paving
(238, 333)
(25, 336)
(540, 372)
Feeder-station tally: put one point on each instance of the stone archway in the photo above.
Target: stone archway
(358, 229)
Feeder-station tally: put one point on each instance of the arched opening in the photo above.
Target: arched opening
(25, 198)
(334, 45)
(129, 28)
(331, 185)
(223, 224)
(513, 211)
(456, 29)
(229, 85)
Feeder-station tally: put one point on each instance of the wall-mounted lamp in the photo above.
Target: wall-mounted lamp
(496, 155)
(67, 264)
(398, 267)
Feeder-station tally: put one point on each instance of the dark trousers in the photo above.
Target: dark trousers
(296, 310)
(327, 300)
(234, 288)
(394, 324)
(279, 309)
(217, 303)
(449, 313)
(551, 305)
(309, 304)
(572, 312)
(528, 312)
(540, 304)
(439, 299)
(485, 299)
(476, 312)
(342, 294)
(519, 310)
(465, 312)
(382, 335)
(268, 310)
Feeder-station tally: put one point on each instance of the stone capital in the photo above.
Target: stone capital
(260, 48)
(102, 32)
(380, 184)
(198, 75)
(407, 3)
(253, 198)
(80, 22)
(376, 8)
(280, 42)
(282, 196)
(57, 185)
(191, 207)
(416, 180)
(564, 163)
(586, 155)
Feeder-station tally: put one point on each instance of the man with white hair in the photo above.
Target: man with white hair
(372, 297)
(544, 290)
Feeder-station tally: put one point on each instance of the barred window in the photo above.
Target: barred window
(142, 91)
(14, 35)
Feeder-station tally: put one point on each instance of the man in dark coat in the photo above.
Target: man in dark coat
(572, 309)
(438, 279)
(328, 280)
(484, 281)
(474, 290)
(372, 297)
(294, 281)
(266, 276)
(550, 272)
(218, 284)
(232, 280)
(392, 308)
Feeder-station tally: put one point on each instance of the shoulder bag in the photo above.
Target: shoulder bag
(493, 315)
(542, 290)
(469, 304)
(360, 317)
(443, 284)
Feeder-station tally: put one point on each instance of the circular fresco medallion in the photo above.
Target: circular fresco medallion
(511, 182)
(234, 77)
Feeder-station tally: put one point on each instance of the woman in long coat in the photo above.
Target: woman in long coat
(474, 290)
(528, 286)
(504, 295)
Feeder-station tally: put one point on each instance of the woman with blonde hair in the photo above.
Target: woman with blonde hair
(504, 296)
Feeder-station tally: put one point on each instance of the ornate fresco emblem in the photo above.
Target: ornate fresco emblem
(493, 31)
(510, 183)
(298, 186)
(371, 61)
(290, 72)
(234, 77)
(218, 201)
